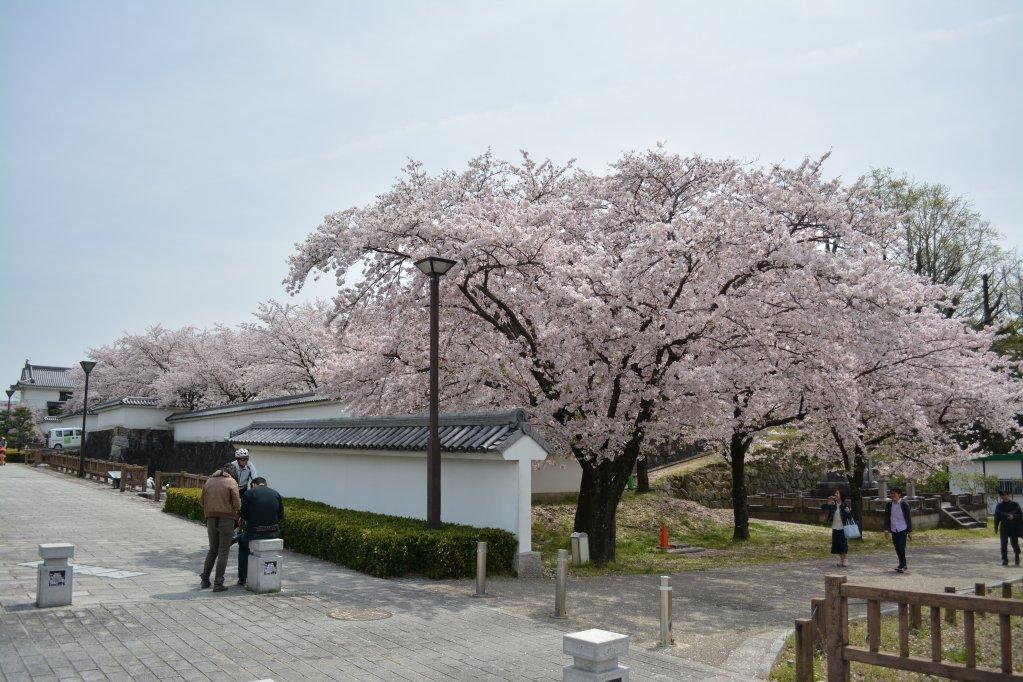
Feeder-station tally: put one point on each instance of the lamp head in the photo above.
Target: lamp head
(87, 366)
(10, 392)
(434, 265)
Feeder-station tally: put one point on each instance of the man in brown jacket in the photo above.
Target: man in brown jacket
(220, 504)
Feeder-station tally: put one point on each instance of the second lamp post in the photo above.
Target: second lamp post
(86, 367)
(435, 268)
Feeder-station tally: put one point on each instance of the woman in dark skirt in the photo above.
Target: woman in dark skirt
(839, 542)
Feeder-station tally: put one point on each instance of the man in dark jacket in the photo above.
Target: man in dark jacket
(899, 523)
(262, 512)
(1008, 518)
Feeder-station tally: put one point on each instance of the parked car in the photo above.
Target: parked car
(64, 438)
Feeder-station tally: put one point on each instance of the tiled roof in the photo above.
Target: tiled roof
(131, 400)
(66, 415)
(45, 376)
(472, 432)
(265, 404)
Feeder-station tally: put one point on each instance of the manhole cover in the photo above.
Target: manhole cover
(359, 614)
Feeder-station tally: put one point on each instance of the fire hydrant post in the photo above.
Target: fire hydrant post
(56, 576)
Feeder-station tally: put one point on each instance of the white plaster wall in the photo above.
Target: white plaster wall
(131, 417)
(35, 398)
(558, 475)
(220, 427)
(476, 492)
(1010, 470)
(70, 423)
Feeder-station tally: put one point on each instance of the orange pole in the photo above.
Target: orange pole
(664, 536)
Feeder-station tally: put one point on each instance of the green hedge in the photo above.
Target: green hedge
(15, 457)
(384, 546)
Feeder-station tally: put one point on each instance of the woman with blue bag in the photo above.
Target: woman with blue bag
(843, 526)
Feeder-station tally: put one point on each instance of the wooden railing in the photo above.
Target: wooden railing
(176, 479)
(830, 624)
(131, 475)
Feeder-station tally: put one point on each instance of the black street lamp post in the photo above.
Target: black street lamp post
(435, 268)
(10, 392)
(86, 367)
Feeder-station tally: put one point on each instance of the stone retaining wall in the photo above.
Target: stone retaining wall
(803, 509)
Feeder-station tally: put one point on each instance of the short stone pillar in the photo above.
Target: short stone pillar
(911, 489)
(56, 576)
(596, 654)
(580, 549)
(265, 562)
(882, 489)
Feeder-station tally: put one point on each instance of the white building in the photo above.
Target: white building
(1006, 467)
(214, 424)
(378, 464)
(43, 388)
(132, 412)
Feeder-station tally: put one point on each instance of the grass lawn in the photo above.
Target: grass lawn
(952, 646)
(639, 521)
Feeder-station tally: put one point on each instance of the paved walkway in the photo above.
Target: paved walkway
(158, 625)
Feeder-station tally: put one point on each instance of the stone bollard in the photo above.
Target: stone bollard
(56, 577)
(580, 549)
(265, 563)
(481, 569)
(596, 654)
(667, 639)
(561, 585)
(882, 489)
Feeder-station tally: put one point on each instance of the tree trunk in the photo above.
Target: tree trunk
(859, 465)
(600, 491)
(642, 476)
(737, 449)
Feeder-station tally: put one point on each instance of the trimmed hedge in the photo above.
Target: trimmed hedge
(380, 545)
(15, 457)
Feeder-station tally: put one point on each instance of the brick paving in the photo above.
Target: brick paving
(158, 625)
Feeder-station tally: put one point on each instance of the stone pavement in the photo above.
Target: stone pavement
(146, 619)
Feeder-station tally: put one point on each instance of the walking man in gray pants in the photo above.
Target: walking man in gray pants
(220, 503)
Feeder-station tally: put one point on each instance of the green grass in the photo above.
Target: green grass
(640, 516)
(952, 644)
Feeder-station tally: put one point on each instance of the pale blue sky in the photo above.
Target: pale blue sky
(159, 159)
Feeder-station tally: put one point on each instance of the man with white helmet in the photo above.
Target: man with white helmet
(244, 470)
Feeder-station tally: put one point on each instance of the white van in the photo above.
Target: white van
(64, 438)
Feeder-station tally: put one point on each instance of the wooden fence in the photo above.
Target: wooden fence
(829, 625)
(176, 479)
(131, 475)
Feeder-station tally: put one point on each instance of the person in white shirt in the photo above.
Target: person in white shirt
(899, 523)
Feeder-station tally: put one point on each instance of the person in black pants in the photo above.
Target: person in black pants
(898, 523)
(1008, 518)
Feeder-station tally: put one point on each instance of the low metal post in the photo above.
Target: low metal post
(561, 585)
(666, 597)
(481, 569)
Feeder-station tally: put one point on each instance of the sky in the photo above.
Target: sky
(159, 160)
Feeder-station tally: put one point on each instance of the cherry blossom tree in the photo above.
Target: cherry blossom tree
(288, 344)
(602, 304)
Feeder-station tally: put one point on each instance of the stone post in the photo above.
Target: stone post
(265, 562)
(882, 489)
(596, 654)
(911, 489)
(580, 549)
(55, 580)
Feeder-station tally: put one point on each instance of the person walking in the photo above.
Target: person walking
(3, 451)
(839, 516)
(220, 503)
(262, 513)
(1008, 523)
(242, 469)
(898, 522)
